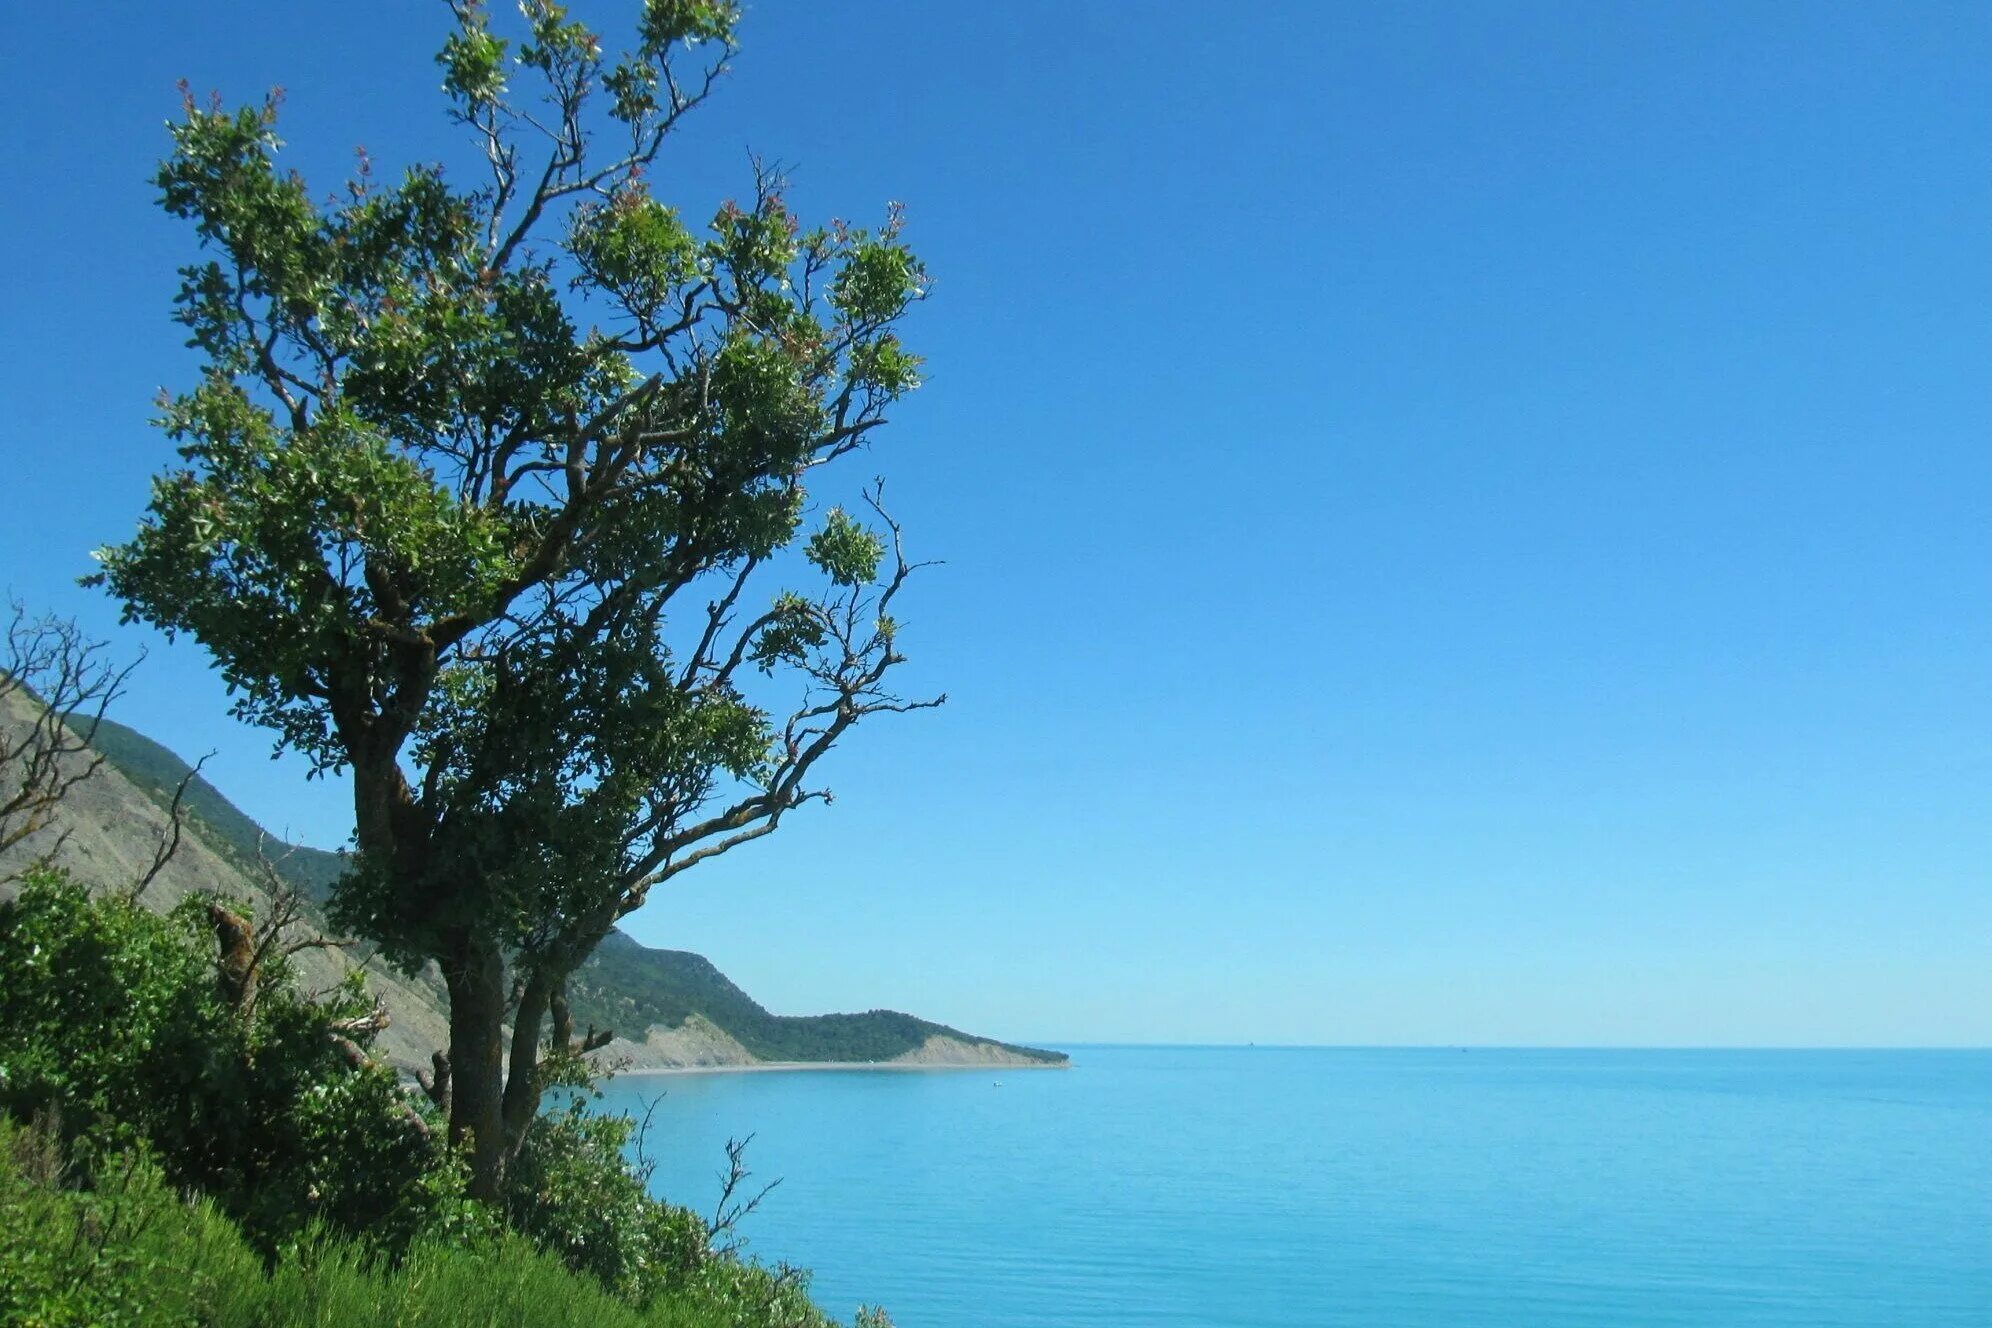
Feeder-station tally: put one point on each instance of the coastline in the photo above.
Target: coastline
(698, 1046)
(788, 1067)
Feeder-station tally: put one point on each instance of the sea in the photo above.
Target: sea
(1426, 1188)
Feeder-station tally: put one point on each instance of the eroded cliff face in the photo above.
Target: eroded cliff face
(941, 1050)
(699, 1044)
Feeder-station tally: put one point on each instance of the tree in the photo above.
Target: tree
(479, 487)
(63, 684)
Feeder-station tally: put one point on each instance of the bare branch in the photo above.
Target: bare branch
(645, 1164)
(357, 1057)
(285, 911)
(169, 837)
(61, 677)
(371, 1024)
(728, 1213)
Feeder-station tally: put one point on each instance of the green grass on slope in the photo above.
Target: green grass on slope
(133, 1254)
(628, 986)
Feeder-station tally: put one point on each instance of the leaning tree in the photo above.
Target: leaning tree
(496, 497)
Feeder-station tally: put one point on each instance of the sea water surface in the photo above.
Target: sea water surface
(1401, 1188)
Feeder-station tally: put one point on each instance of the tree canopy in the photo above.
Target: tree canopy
(497, 496)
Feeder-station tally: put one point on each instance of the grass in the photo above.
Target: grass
(129, 1253)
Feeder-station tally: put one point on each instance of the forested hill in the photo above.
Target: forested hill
(627, 986)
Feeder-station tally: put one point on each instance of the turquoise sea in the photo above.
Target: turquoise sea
(1409, 1189)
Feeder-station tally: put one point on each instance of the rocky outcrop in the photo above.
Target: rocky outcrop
(943, 1050)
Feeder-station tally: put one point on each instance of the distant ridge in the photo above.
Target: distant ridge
(629, 985)
(670, 1008)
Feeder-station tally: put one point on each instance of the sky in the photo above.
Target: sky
(1463, 523)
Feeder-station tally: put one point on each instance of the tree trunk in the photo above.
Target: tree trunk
(475, 976)
(522, 1086)
(545, 993)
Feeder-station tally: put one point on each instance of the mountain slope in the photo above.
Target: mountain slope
(671, 1007)
(110, 826)
(157, 772)
(627, 985)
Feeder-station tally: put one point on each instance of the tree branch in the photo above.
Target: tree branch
(169, 838)
(60, 675)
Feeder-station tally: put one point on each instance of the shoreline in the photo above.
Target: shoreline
(790, 1067)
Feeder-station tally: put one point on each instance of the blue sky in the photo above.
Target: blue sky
(1464, 523)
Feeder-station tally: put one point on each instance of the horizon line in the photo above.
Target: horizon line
(1055, 1045)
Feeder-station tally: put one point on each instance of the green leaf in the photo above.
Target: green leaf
(844, 550)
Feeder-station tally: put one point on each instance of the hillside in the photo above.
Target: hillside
(157, 772)
(629, 985)
(110, 826)
(671, 1008)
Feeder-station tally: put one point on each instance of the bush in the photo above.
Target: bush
(316, 1200)
(130, 1252)
(574, 1192)
(115, 1025)
(98, 1257)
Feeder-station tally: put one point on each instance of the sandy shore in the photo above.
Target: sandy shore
(784, 1067)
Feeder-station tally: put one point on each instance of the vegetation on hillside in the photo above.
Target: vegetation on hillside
(629, 985)
(145, 1058)
(121, 1246)
(186, 1035)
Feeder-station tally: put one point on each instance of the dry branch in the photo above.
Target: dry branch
(68, 684)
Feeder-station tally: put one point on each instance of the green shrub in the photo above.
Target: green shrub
(317, 1201)
(132, 1253)
(105, 1256)
(574, 1192)
(114, 1025)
